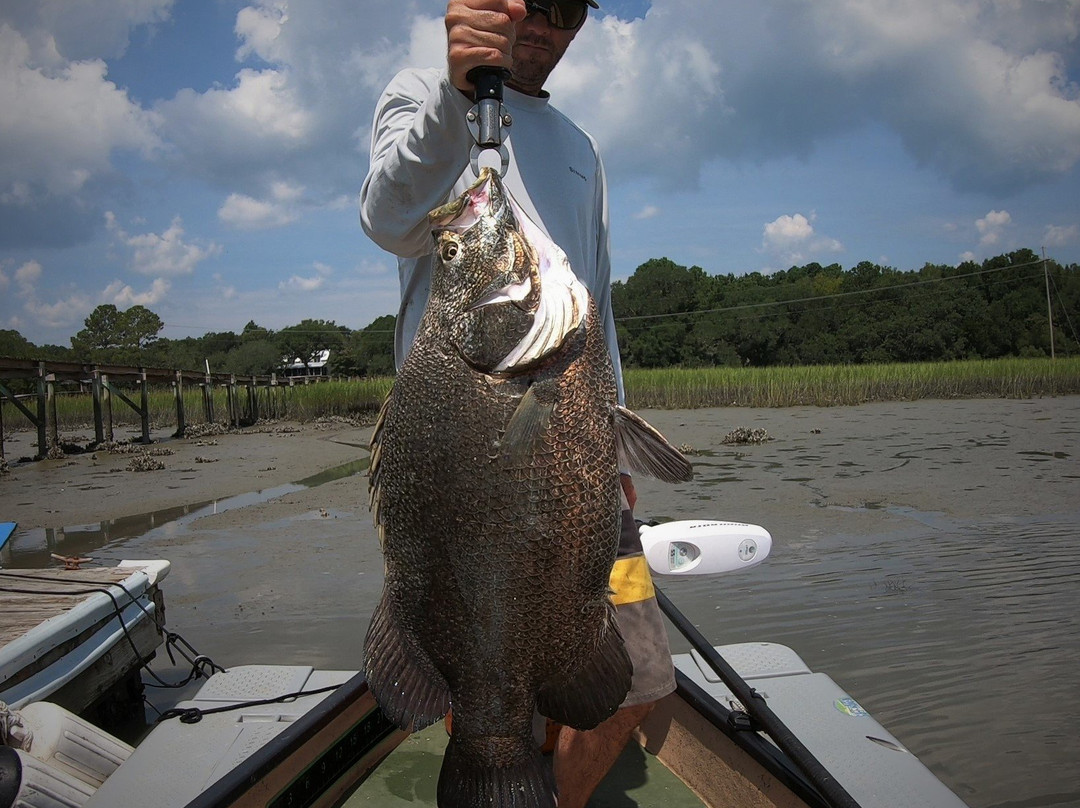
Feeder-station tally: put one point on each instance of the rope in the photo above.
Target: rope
(193, 715)
(199, 663)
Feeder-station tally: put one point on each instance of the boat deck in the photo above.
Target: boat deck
(409, 776)
(30, 597)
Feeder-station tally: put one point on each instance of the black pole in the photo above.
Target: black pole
(489, 96)
(759, 711)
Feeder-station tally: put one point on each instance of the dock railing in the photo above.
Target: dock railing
(131, 386)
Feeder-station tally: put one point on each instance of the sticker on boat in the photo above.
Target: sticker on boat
(850, 707)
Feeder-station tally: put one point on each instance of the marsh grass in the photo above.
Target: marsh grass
(830, 385)
(670, 388)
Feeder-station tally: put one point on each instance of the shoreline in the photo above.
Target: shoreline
(1011, 457)
(97, 486)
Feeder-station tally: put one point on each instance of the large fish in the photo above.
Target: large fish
(495, 485)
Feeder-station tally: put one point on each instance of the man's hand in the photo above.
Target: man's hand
(480, 33)
(628, 489)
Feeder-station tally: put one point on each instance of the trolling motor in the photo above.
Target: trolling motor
(488, 119)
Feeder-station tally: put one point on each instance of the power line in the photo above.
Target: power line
(814, 298)
(721, 310)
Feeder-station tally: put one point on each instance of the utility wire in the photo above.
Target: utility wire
(741, 307)
(814, 298)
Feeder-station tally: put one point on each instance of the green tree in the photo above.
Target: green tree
(369, 351)
(111, 335)
(308, 338)
(15, 345)
(254, 332)
(253, 358)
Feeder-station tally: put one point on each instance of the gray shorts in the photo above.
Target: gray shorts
(643, 630)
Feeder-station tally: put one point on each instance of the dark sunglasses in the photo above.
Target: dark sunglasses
(566, 15)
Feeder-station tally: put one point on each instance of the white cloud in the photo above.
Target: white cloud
(786, 231)
(163, 254)
(793, 239)
(647, 212)
(259, 28)
(62, 123)
(69, 311)
(27, 276)
(124, 296)
(992, 226)
(299, 284)
(1057, 236)
(951, 77)
(85, 29)
(245, 213)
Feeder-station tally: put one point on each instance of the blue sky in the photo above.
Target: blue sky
(203, 157)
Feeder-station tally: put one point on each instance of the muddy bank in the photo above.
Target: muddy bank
(970, 458)
(97, 486)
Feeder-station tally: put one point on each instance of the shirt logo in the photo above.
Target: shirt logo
(575, 172)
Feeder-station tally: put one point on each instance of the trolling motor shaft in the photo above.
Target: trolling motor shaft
(488, 118)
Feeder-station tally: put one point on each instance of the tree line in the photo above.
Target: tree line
(671, 315)
(130, 337)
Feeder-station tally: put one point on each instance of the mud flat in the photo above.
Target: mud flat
(98, 486)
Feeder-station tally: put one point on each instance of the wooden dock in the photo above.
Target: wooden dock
(247, 398)
(72, 636)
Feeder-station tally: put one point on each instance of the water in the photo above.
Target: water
(961, 639)
(926, 556)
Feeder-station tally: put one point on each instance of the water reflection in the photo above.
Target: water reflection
(32, 549)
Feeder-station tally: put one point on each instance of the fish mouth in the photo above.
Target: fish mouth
(460, 214)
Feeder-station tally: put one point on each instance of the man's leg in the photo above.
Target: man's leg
(582, 759)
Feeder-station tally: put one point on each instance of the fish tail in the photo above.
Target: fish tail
(468, 777)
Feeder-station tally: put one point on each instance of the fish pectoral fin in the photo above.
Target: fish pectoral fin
(587, 696)
(529, 421)
(409, 689)
(643, 449)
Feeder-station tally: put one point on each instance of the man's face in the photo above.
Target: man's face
(537, 49)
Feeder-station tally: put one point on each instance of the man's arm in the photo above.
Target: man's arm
(419, 147)
(420, 142)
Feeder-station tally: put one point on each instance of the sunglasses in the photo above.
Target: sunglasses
(566, 15)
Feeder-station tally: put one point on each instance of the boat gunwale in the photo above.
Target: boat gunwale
(237, 784)
(766, 754)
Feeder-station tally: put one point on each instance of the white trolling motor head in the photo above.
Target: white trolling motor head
(703, 546)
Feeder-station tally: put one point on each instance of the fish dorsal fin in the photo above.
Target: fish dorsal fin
(643, 449)
(375, 466)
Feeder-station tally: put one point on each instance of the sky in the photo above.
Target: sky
(203, 158)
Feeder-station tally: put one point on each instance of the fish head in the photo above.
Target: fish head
(502, 292)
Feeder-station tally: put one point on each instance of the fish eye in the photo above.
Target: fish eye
(449, 249)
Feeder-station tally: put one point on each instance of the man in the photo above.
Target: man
(419, 160)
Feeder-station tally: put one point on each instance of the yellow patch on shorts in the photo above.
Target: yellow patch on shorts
(630, 580)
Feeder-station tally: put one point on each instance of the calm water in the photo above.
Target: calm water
(962, 639)
(961, 636)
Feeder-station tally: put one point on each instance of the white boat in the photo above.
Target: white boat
(749, 725)
(69, 635)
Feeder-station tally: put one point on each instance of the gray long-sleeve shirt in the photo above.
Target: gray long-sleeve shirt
(420, 147)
